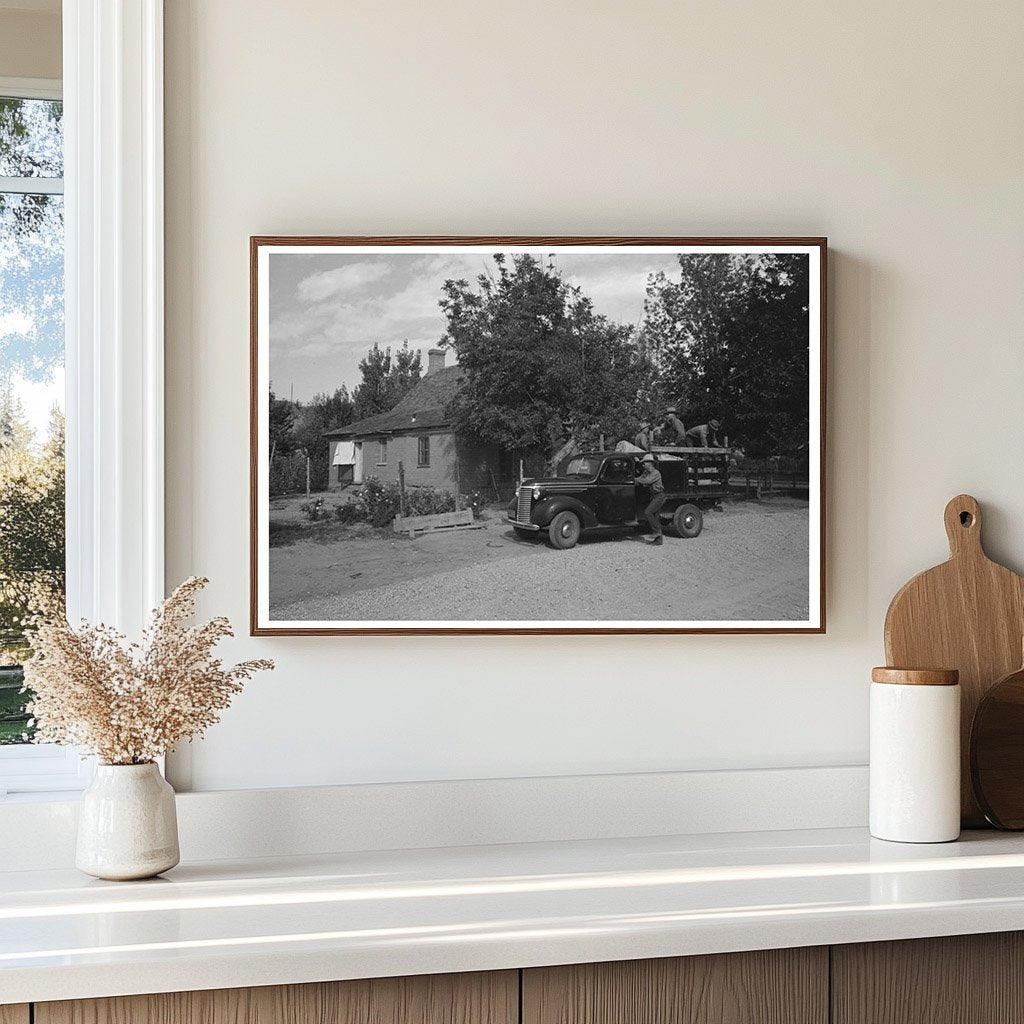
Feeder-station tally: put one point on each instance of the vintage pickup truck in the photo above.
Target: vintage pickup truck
(597, 492)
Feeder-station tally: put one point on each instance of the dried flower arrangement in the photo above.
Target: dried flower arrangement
(130, 703)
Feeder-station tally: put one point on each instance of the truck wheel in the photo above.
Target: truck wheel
(564, 530)
(688, 521)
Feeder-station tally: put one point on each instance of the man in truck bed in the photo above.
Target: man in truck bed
(644, 437)
(704, 436)
(673, 429)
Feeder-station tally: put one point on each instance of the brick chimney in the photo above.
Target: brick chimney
(435, 360)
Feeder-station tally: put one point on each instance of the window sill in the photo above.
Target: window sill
(42, 772)
(260, 848)
(392, 913)
(41, 797)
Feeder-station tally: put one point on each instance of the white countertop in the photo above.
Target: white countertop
(351, 915)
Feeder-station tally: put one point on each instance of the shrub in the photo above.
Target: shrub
(380, 500)
(288, 474)
(428, 501)
(378, 503)
(351, 512)
(314, 511)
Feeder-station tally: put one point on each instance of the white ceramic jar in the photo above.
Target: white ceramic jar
(127, 823)
(915, 755)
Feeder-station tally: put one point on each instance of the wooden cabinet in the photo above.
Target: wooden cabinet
(491, 998)
(962, 979)
(967, 979)
(778, 986)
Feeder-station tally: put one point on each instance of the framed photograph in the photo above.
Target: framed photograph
(537, 435)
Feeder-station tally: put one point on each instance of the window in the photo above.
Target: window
(581, 466)
(618, 471)
(382, 456)
(113, 336)
(32, 548)
(423, 451)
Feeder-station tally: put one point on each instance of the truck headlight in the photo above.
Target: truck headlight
(536, 494)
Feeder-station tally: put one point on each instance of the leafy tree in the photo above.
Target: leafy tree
(323, 413)
(541, 367)
(770, 377)
(385, 381)
(372, 394)
(663, 329)
(282, 426)
(15, 430)
(731, 342)
(31, 141)
(31, 525)
(405, 373)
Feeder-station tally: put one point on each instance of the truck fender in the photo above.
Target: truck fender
(547, 508)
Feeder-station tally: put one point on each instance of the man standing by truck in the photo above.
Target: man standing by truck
(651, 478)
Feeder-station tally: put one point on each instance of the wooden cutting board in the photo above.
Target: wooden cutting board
(967, 614)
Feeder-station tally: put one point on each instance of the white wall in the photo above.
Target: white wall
(895, 129)
(30, 41)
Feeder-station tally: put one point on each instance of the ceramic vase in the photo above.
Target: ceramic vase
(127, 825)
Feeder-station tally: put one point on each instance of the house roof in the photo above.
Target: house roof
(423, 408)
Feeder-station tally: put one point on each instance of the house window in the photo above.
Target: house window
(382, 455)
(423, 451)
(32, 549)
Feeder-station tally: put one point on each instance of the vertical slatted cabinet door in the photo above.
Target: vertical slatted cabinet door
(14, 1014)
(479, 998)
(777, 986)
(960, 979)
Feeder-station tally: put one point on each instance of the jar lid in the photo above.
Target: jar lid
(916, 676)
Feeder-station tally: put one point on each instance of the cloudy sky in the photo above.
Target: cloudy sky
(327, 310)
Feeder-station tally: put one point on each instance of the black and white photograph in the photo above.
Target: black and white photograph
(543, 435)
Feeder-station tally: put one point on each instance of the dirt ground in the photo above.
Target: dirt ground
(750, 562)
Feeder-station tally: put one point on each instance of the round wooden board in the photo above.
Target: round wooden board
(997, 752)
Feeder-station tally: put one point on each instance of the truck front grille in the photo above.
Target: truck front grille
(525, 502)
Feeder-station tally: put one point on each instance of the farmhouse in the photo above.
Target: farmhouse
(419, 435)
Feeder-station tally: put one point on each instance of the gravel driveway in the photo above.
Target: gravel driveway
(751, 562)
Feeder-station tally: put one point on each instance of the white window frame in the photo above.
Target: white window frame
(114, 348)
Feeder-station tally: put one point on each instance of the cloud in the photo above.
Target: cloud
(617, 285)
(15, 321)
(349, 278)
(321, 326)
(404, 310)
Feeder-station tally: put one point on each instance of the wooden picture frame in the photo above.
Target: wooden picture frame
(334, 295)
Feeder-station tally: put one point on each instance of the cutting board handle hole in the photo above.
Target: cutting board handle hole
(966, 518)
